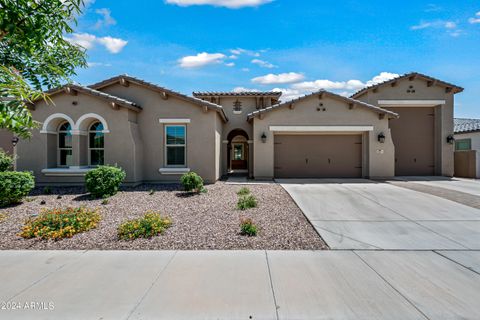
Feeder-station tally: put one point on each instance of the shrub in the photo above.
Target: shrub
(104, 181)
(246, 202)
(192, 182)
(6, 161)
(14, 186)
(61, 223)
(151, 224)
(248, 228)
(47, 190)
(243, 191)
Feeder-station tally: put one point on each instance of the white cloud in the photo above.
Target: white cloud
(88, 41)
(98, 64)
(240, 51)
(230, 64)
(106, 19)
(476, 19)
(114, 45)
(422, 25)
(263, 64)
(233, 57)
(201, 59)
(243, 89)
(281, 78)
(382, 77)
(245, 69)
(289, 94)
(450, 26)
(329, 85)
(231, 4)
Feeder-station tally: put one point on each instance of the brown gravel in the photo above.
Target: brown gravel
(205, 221)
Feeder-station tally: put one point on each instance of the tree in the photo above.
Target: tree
(34, 55)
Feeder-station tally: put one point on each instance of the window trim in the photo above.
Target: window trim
(469, 140)
(89, 149)
(165, 145)
(59, 149)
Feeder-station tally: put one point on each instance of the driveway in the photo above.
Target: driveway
(470, 186)
(363, 214)
(326, 284)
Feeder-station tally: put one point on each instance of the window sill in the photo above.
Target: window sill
(173, 170)
(67, 172)
(237, 112)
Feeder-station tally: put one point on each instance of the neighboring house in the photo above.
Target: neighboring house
(467, 148)
(398, 127)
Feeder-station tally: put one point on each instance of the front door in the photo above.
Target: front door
(239, 157)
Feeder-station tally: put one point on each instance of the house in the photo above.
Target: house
(467, 148)
(399, 127)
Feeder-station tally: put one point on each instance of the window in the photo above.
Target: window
(96, 144)
(65, 156)
(464, 144)
(237, 107)
(238, 151)
(175, 145)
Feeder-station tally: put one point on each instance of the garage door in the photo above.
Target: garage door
(413, 136)
(318, 156)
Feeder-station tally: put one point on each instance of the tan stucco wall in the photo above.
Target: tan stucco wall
(378, 157)
(201, 132)
(6, 141)
(444, 164)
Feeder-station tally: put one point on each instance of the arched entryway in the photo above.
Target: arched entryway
(237, 151)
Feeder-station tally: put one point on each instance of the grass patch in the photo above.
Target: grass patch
(243, 191)
(61, 223)
(150, 225)
(248, 228)
(247, 202)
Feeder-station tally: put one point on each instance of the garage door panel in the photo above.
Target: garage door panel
(413, 136)
(318, 156)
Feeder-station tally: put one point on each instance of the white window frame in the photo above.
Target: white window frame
(59, 150)
(184, 165)
(88, 144)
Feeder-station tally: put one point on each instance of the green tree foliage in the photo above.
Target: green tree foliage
(34, 55)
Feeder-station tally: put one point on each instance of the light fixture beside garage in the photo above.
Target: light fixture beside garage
(264, 137)
(450, 139)
(381, 137)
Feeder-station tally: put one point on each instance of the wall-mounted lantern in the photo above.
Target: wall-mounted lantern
(381, 137)
(264, 137)
(15, 141)
(450, 139)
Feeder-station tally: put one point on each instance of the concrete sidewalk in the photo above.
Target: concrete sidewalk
(240, 284)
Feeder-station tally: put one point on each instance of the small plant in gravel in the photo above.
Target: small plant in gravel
(151, 224)
(14, 186)
(105, 201)
(6, 161)
(3, 217)
(243, 191)
(192, 182)
(47, 190)
(151, 192)
(246, 202)
(248, 228)
(104, 181)
(60, 223)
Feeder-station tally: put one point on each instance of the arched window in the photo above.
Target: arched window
(96, 144)
(65, 155)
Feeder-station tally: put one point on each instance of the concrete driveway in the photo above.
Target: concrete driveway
(470, 186)
(363, 214)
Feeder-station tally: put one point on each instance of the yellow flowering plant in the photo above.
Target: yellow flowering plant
(151, 224)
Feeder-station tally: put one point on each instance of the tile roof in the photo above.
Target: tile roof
(237, 94)
(158, 88)
(119, 101)
(456, 89)
(331, 94)
(466, 125)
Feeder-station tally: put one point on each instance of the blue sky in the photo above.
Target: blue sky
(293, 46)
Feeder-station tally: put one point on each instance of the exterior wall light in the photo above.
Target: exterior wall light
(381, 137)
(15, 141)
(450, 139)
(264, 137)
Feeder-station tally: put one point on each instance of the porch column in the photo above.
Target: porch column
(250, 158)
(224, 157)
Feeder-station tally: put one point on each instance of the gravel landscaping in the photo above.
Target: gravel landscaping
(204, 221)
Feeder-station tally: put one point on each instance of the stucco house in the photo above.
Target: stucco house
(467, 148)
(400, 127)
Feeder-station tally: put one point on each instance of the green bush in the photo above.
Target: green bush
(6, 161)
(246, 202)
(104, 181)
(14, 186)
(61, 223)
(248, 228)
(151, 224)
(192, 182)
(243, 191)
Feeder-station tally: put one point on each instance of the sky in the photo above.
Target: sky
(293, 46)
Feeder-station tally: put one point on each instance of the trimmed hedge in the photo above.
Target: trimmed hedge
(192, 182)
(104, 181)
(14, 186)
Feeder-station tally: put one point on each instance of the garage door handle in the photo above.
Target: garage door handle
(329, 161)
(306, 160)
